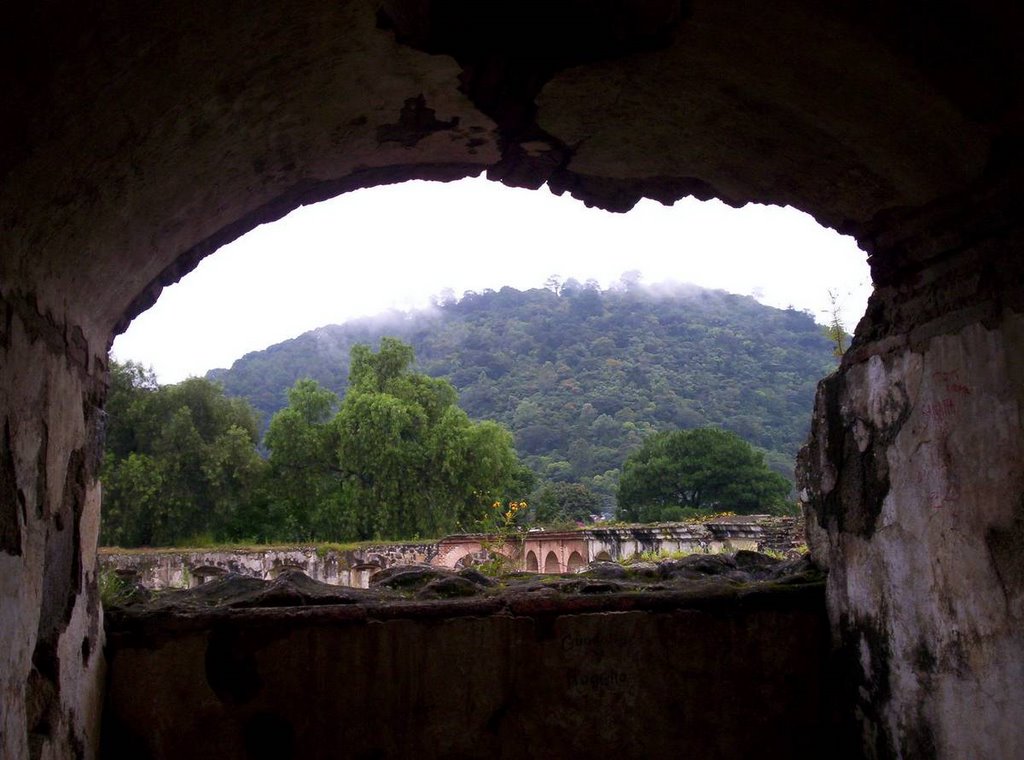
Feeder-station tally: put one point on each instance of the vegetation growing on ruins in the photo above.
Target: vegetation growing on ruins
(501, 528)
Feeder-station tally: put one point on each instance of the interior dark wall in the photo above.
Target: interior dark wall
(719, 673)
(138, 138)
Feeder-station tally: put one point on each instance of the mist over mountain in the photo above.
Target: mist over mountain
(581, 375)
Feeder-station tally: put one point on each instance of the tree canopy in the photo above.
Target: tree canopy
(412, 463)
(396, 458)
(581, 376)
(180, 461)
(556, 503)
(706, 469)
(304, 478)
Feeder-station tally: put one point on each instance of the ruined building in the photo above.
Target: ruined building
(136, 138)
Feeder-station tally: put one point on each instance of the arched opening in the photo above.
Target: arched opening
(644, 102)
(602, 556)
(466, 559)
(575, 563)
(576, 427)
(531, 562)
(551, 563)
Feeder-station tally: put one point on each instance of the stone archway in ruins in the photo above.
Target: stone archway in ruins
(575, 563)
(532, 566)
(551, 563)
(136, 144)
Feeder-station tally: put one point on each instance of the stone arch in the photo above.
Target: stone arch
(532, 566)
(575, 562)
(643, 102)
(466, 559)
(603, 556)
(551, 563)
(429, 130)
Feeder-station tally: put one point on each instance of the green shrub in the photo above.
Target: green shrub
(115, 591)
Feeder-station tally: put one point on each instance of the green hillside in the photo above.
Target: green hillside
(581, 376)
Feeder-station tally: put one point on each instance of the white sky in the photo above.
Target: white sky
(398, 246)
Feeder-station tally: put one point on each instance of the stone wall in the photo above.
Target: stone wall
(553, 552)
(726, 534)
(157, 569)
(914, 485)
(51, 625)
(716, 674)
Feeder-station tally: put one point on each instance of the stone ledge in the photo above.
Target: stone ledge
(295, 599)
(539, 666)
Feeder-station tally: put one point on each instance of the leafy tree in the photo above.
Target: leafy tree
(564, 503)
(131, 385)
(234, 475)
(180, 461)
(413, 463)
(305, 484)
(131, 500)
(705, 469)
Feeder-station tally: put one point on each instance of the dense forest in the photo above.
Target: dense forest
(395, 459)
(580, 375)
(563, 399)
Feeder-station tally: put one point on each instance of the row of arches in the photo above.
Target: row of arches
(553, 565)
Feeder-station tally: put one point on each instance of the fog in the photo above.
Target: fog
(390, 250)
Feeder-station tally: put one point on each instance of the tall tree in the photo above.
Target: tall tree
(180, 461)
(564, 502)
(413, 462)
(305, 479)
(131, 386)
(704, 469)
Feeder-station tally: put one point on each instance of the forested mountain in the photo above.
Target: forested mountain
(581, 376)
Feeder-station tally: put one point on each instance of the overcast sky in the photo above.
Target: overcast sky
(399, 246)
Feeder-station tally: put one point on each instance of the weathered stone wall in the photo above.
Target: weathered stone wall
(702, 674)
(728, 534)
(915, 491)
(571, 550)
(51, 635)
(157, 569)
